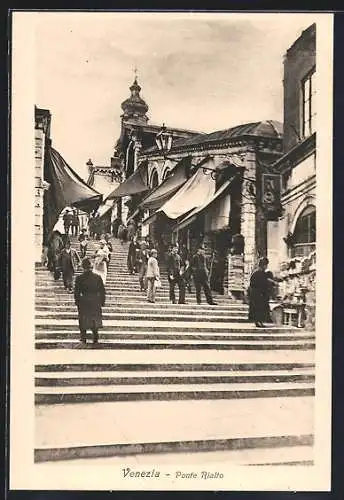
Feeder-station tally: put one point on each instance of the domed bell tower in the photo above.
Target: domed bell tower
(134, 108)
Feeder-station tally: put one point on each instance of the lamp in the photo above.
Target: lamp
(163, 140)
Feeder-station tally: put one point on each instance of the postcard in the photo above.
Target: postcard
(171, 260)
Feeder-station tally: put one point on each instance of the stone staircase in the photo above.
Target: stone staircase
(168, 378)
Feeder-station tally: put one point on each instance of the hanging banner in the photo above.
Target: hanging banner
(271, 195)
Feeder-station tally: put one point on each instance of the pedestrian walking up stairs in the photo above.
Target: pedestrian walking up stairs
(168, 378)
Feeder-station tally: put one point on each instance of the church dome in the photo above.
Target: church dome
(135, 106)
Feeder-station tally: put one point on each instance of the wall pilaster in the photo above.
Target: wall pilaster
(39, 192)
(248, 214)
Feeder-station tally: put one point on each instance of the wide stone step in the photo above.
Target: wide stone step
(52, 292)
(110, 284)
(274, 451)
(111, 358)
(235, 317)
(67, 395)
(180, 309)
(145, 345)
(167, 335)
(162, 326)
(61, 296)
(164, 344)
(155, 369)
(52, 302)
(121, 433)
(262, 451)
(58, 379)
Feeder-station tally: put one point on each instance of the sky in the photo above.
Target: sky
(202, 72)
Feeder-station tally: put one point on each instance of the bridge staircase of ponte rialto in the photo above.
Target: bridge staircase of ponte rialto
(194, 379)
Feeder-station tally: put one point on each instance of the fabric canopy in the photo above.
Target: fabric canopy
(66, 188)
(168, 187)
(103, 210)
(196, 191)
(223, 207)
(136, 183)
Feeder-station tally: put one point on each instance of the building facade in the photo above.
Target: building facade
(105, 179)
(258, 185)
(292, 239)
(231, 163)
(42, 138)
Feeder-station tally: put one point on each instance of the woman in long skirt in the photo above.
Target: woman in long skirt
(100, 261)
(259, 294)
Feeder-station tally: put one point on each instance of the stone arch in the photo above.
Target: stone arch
(166, 173)
(154, 179)
(310, 200)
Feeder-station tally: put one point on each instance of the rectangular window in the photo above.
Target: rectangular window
(308, 104)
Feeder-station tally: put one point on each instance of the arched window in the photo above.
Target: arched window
(154, 179)
(304, 235)
(130, 160)
(167, 174)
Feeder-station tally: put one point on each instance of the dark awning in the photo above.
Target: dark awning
(168, 187)
(104, 210)
(136, 183)
(67, 188)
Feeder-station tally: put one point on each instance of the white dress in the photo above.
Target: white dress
(99, 266)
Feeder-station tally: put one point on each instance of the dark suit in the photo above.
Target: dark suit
(133, 250)
(201, 278)
(67, 222)
(68, 262)
(89, 295)
(142, 259)
(174, 268)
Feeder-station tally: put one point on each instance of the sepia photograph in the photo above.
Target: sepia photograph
(171, 250)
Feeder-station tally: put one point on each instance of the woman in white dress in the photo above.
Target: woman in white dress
(100, 260)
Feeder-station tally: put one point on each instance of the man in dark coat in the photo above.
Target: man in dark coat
(75, 222)
(89, 295)
(175, 276)
(68, 261)
(142, 259)
(54, 251)
(259, 294)
(201, 276)
(133, 251)
(186, 270)
(67, 221)
(115, 226)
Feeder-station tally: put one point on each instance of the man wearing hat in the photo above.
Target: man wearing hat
(175, 276)
(142, 259)
(89, 296)
(69, 261)
(201, 276)
(67, 221)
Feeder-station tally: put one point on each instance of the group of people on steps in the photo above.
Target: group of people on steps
(89, 287)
